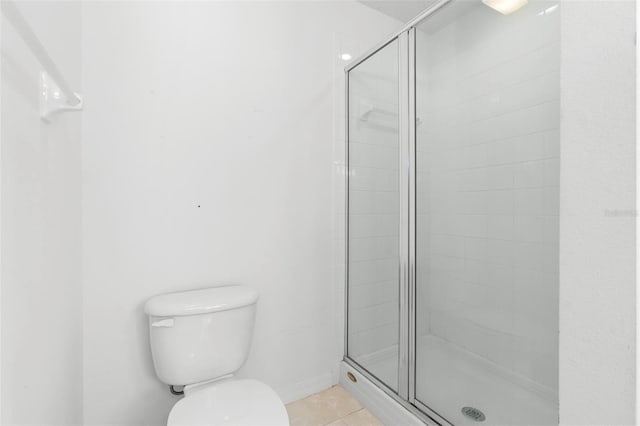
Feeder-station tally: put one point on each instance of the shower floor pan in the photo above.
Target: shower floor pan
(451, 378)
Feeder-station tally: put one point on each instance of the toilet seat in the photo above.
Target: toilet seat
(230, 403)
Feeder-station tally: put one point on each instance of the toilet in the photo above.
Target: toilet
(199, 339)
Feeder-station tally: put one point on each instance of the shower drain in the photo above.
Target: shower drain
(473, 413)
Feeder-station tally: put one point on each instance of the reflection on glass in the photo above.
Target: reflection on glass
(374, 215)
(487, 213)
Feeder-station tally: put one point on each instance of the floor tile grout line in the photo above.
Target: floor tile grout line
(341, 420)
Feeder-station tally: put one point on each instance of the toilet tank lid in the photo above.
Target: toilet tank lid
(203, 301)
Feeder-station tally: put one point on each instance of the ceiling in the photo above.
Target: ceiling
(402, 10)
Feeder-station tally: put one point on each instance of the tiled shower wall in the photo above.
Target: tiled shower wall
(488, 172)
(374, 204)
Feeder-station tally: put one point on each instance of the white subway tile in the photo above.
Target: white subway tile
(371, 294)
(368, 155)
(372, 317)
(500, 252)
(373, 202)
(501, 202)
(373, 179)
(500, 177)
(368, 271)
(529, 202)
(500, 227)
(447, 245)
(529, 228)
(373, 225)
(470, 225)
(372, 248)
(471, 202)
(551, 172)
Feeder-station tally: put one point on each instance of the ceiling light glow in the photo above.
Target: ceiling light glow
(345, 57)
(505, 7)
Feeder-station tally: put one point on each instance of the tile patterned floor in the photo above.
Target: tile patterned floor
(332, 407)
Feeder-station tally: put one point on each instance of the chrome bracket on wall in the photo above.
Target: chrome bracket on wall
(56, 94)
(53, 100)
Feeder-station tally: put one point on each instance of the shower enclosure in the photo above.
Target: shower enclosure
(452, 223)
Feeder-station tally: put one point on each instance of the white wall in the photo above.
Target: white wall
(597, 220)
(41, 292)
(209, 133)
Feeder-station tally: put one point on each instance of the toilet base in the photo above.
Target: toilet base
(230, 402)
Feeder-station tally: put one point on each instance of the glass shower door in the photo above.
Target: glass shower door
(487, 165)
(374, 215)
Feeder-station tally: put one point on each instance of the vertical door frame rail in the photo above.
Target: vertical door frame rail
(406, 395)
(411, 187)
(403, 236)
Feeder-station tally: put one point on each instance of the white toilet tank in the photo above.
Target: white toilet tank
(201, 335)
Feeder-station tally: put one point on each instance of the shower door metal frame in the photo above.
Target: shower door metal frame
(405, 394)
(404, 231)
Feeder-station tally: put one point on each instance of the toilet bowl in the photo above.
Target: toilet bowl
(230, 402)
(199, 339)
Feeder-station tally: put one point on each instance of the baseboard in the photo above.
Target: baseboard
(299, 390)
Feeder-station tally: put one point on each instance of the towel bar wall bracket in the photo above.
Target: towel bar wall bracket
(53, 100)
(56, 94)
